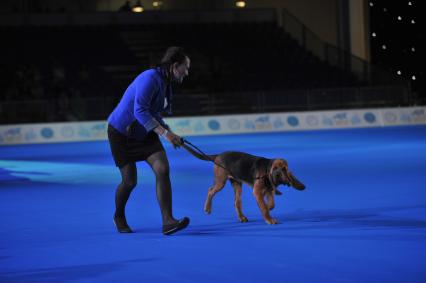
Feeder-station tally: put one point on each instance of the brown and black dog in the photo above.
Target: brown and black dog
(262, 174)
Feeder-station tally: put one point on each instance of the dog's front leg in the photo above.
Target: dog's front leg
(258, 191)
(271, 200)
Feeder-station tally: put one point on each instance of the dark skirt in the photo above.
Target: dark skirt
(125, 150)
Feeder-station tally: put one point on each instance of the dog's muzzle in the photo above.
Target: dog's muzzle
(279, 177)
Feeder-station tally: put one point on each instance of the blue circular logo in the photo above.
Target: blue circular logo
(47, 133)
(214, 125)
(292, 121)
(369, 117)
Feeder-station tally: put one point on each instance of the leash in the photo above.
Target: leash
(265, 177)
(203, 154)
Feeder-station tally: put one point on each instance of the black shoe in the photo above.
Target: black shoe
(173, 228)
(121, 225)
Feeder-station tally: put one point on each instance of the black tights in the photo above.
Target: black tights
(160, 165)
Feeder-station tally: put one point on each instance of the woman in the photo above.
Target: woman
(134, 128)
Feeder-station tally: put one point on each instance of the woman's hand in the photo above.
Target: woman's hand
(174, 139)
(171, 137)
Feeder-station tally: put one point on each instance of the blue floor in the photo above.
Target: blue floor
(362, 217)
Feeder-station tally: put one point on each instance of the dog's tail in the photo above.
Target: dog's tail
(199, 155)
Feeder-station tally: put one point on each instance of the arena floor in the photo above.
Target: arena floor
(362, 217)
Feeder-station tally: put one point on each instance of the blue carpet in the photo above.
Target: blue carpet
(362, 217)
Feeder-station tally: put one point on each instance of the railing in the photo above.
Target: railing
(184, 104)
(344, 60)
(147, 17)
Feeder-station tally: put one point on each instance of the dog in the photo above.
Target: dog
(262, 174)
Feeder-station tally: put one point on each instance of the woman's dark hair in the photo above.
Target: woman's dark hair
(172, 55)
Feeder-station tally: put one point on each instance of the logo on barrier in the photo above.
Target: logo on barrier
(249, 125)
(12, 135)
(98, 130)
(278, 123)
(340, 119)
(390, 117)
(312, 120)
(199, 127)
(418, 115)
(263, 123)
(234, 124)
(214, 125)
(30, 135)
(67, 132)
(83, 132)
(327, 121)
(47, 133)
(370, 117)
(183, 126)
(405, 118)
(293, 121)
(355, 120)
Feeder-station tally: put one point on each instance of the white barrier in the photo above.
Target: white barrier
(213, 125)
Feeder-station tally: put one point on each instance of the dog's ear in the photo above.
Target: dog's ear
(273, 168)
(295, 183)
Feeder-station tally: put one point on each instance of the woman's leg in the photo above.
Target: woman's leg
(128, 183)
(160, 165)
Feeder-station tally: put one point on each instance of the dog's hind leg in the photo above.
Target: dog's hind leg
(220, 177)
(238, 189)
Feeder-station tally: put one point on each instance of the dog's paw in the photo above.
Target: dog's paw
(242, 218)
(207, 210)
(208, 207)
(271, 221)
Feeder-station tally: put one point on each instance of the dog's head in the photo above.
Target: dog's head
(280, 175)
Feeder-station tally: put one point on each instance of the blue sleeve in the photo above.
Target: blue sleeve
(146, 89)
(160, 120)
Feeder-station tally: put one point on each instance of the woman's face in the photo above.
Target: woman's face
(180, 70)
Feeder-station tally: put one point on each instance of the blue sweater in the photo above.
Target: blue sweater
(143, 101)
